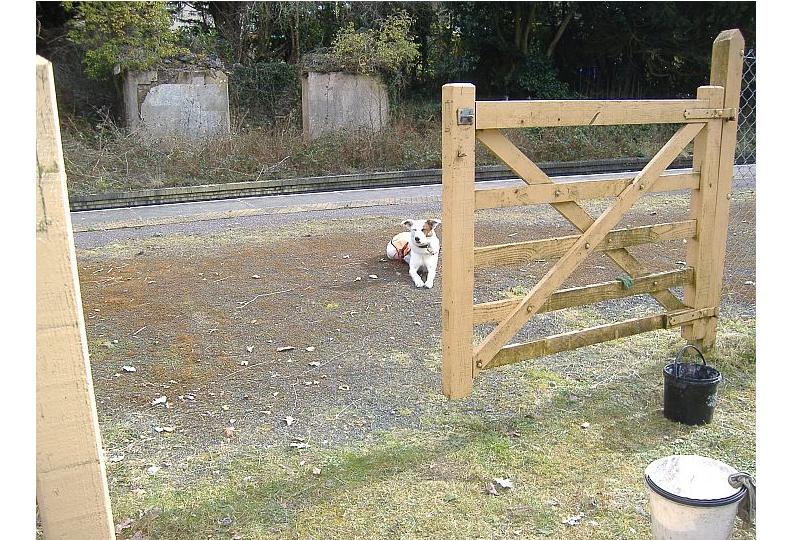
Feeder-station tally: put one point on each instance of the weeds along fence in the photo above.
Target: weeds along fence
(708, 121)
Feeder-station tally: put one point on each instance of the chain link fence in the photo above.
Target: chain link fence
(740, 264)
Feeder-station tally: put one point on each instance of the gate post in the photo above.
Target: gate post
(71, 486)
(458, 237)
(726, 72)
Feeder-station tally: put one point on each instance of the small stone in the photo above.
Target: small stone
(585, 425)
(153, 469)
(373, 276)
(129, 369)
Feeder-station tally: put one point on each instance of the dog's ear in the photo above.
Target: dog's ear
(433, 223)
(408, 224)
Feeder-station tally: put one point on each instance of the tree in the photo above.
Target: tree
(131, 35)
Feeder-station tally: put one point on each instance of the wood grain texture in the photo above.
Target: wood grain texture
(584, 246)
(550, 248)
(458, 240)
(726, 71)
(494, 312)
(584, 112)
(575, 191)
(71, 487)
(505, 150)
(569, 341)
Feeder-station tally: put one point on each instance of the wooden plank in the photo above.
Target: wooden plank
(559, 113)
(588, 241)
(699, 249)
(550, 248)
(494, 312)
(569, 341)
(726, 71)
(458, 240)
(71, 487)
(575, 191)
(505, 150)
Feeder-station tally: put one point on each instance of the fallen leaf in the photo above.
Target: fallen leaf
(314, 364)
(158, 401)
(344, 387)
(284, 349)
(316, 471)
(373, 276)
(129, 369)
(299, 445)
(153, 469)
(229, 431)
(289, 421)
(244, 363)
(357, 279)
(256, 276)
(585, 425)
(311, 349)
(250, 349)
(504, 483)
(489, 489)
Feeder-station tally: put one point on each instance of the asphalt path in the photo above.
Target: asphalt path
(95, 228)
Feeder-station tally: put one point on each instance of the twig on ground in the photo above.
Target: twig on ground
(256, 297)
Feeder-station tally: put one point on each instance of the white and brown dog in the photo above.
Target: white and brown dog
(419, 247)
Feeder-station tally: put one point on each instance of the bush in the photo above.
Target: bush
(131, 35)
(265, 89)
(539, 80)
(387, 51)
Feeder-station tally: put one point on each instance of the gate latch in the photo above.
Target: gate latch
(466, 117)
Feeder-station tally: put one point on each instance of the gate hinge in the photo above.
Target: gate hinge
(709, 114)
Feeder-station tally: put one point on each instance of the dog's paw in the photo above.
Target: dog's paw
(429, 285)
(420, 284)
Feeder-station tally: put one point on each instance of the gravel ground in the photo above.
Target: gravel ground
(203, 310)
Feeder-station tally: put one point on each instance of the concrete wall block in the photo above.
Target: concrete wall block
(341, 101)
(184, 104)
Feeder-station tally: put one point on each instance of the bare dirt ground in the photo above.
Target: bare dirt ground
(300, 332)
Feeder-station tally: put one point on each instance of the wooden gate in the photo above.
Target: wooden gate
(709, 121)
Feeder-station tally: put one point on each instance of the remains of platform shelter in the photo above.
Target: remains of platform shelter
(189, 104)
(336, 101)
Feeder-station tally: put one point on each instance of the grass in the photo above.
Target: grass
(105, 157)
(429, 481)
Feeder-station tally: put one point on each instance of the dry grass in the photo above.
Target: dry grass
(106, 157)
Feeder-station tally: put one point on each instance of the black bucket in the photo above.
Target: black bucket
(690, 390)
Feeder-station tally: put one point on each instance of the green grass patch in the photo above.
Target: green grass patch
(574, 438)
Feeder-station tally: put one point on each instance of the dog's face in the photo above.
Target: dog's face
(422, 230)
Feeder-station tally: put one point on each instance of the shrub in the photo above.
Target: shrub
(539, 80)
(387, 50)
(264, 89)
(132, 35)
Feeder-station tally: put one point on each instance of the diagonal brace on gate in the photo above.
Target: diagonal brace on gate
(506, 151)
(583, 247)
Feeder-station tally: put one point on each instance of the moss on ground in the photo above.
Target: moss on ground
(587, 424)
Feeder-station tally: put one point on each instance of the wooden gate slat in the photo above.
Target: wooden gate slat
(494, 312)
(584, 246)
(551, 248)
(517, 352)
(504, 149)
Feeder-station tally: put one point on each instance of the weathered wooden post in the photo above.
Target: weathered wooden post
(71, 486)
(458, 237)
(726, 72)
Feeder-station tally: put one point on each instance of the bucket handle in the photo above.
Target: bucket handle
(679, 356)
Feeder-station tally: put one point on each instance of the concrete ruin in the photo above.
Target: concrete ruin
(190, 104)
(338, 101)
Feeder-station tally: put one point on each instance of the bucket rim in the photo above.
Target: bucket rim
(687, 501)
(716, 379)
